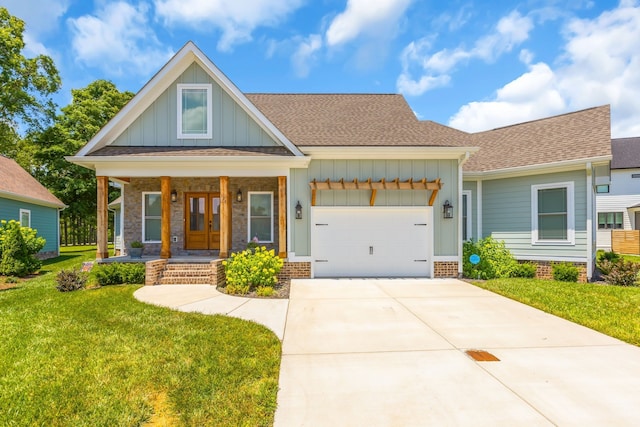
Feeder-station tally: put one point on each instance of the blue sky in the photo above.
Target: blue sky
(469, 64)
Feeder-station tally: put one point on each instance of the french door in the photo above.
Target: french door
(202, 220)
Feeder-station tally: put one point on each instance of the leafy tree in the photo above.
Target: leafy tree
(26, 84)
(90, 109)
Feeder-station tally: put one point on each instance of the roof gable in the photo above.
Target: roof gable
(626, 153)
(167, 76)
(575, 136)
(16, 183)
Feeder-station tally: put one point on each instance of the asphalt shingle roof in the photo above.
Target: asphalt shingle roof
(626, 153)
(572, 136)
(17, 181)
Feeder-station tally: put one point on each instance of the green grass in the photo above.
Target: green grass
(99, 357)
(612, 310)
(632, 258)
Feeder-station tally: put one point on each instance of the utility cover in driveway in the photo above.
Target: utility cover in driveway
(371, 241)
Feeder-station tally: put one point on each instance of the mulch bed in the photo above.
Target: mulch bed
(281, 291)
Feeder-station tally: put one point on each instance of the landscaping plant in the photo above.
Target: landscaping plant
(118, 273)
(71, 280)
(620, 272)
(252, 268)
(565, 272)
(18, 247)
(525, 270)
(496, 260)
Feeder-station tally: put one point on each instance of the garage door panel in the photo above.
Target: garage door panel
(371, 242)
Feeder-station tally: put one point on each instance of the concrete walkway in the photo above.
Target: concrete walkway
(392, 353)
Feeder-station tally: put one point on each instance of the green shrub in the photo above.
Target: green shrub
(18, 247)
(620, 272)
(605, 261)
(265, 291)
(495, 259)
(565, 272)
(249, 269)
(118, 273)
(71, 280)
(525, 270)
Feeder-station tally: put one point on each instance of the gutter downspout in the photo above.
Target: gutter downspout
(461, 162)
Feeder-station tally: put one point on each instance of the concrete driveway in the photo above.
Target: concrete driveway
(392, 353)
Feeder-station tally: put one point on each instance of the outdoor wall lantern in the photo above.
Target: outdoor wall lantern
(298, 210)
(447, 210)
(174, 196)
(239, 195)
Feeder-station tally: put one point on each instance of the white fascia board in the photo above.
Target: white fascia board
(190, 166)
(554, 167)
(387, 152)
(31, 200)
(160, 82)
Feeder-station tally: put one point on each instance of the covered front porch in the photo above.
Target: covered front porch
(206, 217)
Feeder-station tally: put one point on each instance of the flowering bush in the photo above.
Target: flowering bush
(18, 246)
(250, 269)
(495, 259)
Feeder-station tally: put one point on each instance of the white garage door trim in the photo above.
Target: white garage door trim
(382, 241)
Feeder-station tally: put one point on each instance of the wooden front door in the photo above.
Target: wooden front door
(202, 220)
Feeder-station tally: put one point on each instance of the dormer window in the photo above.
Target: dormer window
(194, 111)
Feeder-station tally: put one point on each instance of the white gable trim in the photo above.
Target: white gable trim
(161, 81)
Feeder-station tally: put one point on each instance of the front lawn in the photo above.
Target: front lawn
(99, 357)
(612, 310)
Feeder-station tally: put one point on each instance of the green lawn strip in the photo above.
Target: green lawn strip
(99, 357)
(612, 310)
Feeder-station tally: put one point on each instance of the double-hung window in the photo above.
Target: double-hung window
(609, 220)
(25, 218)
(466, 215)
(553, 220)
(152, 216)
(261, 216)
(194, 111)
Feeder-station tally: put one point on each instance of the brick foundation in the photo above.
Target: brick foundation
(153, 271)
(218, 278)
(295, 270)
(544, 269)
(445, 269)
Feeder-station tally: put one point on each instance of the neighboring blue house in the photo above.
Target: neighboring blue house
(24, 199)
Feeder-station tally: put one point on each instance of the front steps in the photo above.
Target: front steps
(186, 274)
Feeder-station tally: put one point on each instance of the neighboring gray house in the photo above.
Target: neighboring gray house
(347, 185)
(24, 199)
(618, 202)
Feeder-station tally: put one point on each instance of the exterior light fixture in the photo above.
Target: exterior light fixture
(239, 195)
(447, 210)
(298, 210)
(174, 196)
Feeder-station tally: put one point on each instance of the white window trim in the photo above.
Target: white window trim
(469, 210)
(144, 217)
(207, 87)
(249, 236)
(28, 212)
(571, 222)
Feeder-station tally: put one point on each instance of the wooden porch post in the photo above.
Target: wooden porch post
(103, 219)
(165, 230)
(224, 217)
(282, 216)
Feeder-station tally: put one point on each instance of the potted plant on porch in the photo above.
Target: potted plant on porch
(136, 249)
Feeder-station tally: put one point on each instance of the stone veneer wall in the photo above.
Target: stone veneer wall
(445, 269)
(46, 255)
(239, 215)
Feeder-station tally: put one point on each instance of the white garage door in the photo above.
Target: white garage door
(371, 241)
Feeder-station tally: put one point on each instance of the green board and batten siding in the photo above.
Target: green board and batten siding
(507, 214)
(445, 231)
(232, 126)
(43, 219)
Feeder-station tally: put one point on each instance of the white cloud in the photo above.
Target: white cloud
(373, 18)
(40, 17)
(509, 32)
(116, 38)
(306, 54)
(235, 18)
(599, 66)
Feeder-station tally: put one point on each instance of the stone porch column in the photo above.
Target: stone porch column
(165, 230)
(102, 216)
